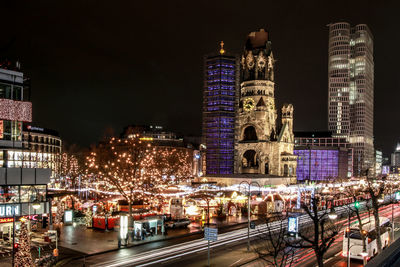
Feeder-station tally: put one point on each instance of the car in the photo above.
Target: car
(178, 223)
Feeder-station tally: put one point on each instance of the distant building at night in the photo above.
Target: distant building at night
(351, 90)
(378, 162)
(154, 133)
(395, 158)
(221, 82)
(163, 139)
(263, 145)
(316, 163)
(325, 139)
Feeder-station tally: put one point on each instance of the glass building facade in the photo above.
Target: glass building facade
(351, 90)
(319, 164)
(221, 80)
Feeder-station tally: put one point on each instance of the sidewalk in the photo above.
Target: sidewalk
(90, 241)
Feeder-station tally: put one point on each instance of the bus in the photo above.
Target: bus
(356, 244)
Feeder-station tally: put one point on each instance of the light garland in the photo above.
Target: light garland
(23, 257)
(15, 110)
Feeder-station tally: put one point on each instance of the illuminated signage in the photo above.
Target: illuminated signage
(123, 223)
(68, 216)
(146, 139)
(1, 129)
(33, 128)
(293, 224)
(6, 220)
(9, 210)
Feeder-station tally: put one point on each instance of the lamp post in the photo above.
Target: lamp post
(248, 208)
(35, 204)
(364, 254)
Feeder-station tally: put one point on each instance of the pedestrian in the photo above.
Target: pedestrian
(144, 234)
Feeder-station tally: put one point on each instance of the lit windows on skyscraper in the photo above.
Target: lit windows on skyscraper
(219, 98)
(351, 90)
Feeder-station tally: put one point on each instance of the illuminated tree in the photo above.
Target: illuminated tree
(69, 168)
(23, 257)
(127, 167)
(60, 213)
(174, 164)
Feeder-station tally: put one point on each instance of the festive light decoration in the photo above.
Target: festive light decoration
(59, 215)
(23, 257)
(125, 166)
(70, 168)
(135, 169)
(15, 110)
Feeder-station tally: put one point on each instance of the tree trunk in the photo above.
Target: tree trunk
(320, 260)
(377, 229)
(361, 231)
(130, 218)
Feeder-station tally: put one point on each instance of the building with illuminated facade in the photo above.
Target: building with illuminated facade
(351, 90)
(154, 133)
(316, 163)
(221, 80)
(263, 145)
(378, 162)
(395, 158)
(327, 140)
(21, 185)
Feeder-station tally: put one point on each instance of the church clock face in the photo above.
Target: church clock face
(248, 104)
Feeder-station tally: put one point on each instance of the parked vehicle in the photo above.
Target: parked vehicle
(355, 237)
(178, 223)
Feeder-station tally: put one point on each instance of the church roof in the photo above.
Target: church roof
(257, 39)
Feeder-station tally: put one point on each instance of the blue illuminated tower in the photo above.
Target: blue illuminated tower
(221, 80)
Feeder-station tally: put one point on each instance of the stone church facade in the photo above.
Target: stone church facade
(262, 146)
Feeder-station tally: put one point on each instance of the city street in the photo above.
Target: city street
(94, 241)
(177, 133)
(237, 254)
(232, 254)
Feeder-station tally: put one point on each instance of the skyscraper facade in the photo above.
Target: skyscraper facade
(221, 82)
(351, 90)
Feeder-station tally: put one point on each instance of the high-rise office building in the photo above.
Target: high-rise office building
(351, 90)
(395, 157)
(221, 81)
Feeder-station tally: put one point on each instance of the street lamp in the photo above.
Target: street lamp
(248, 208)
(332, 215)
(36, 205)
(326, 190)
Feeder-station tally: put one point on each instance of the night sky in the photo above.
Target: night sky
(98, 65)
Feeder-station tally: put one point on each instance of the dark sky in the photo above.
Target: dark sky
(96, 65)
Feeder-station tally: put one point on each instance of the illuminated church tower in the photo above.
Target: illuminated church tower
(261, 145)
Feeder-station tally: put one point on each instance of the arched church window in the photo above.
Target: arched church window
(250, 159)
(285, 170)
(250, 134)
